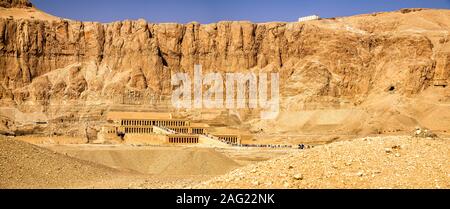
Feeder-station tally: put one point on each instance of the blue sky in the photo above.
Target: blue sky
(207, 11)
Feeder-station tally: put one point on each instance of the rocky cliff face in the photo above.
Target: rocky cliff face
(341, 62)
(15, 3)
(325, 62)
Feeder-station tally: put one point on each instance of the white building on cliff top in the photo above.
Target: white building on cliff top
(307, 18)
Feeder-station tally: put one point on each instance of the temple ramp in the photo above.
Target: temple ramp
(162, 130)
(211, 141)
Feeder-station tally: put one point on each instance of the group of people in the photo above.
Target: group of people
(264, 145)
(302, 146)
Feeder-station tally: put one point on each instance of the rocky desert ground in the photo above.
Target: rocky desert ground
(355, 88)
(369, 162)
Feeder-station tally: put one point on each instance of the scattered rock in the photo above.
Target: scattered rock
(298, 176)
(360, 173)
(388, 150)
(424, 133)
(396, 147)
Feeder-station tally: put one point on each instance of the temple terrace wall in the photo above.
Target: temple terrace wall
(183, 139)
(234, 139)
(154, 122)
(145, 139)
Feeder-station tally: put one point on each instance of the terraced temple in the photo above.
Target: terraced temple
(158, 128)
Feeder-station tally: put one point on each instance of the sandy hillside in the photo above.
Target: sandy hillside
(159, 160)
(23, 165)
(372, 162)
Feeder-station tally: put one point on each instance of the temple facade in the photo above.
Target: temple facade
(229, 138)
(158, 128)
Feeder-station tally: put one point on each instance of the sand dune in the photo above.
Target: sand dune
(160, 160)
(23, 165)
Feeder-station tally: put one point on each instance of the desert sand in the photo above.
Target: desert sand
(370, 162)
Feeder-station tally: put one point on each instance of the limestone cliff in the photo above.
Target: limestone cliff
(15, 3)
(323, 63)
